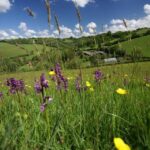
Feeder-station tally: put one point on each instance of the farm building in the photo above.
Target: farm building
(93, 53)
(110, 60)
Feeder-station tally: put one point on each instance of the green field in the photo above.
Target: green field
(121, 69)
(73, 120)
(10, 50)
(142, 44)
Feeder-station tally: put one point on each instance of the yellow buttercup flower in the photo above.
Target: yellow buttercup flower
(121, 91)
(88, 84)
(120, 144)
(52, 73)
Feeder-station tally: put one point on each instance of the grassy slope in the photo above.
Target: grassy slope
(142, 44)
(9, 50)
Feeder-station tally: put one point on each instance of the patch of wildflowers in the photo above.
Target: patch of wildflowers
(60, 80)
(40, 87)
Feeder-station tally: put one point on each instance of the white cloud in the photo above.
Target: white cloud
(77, 30)
(65, 32)
(147, 9)
(13, 37)
(86, 33)
(43, 33)
(3, 34)
(116, 21)
(7, 34)
(26, 31)
(23, 26)
(132, 24)
(5, 5)
(92, 27)
(81, 3)
(30, 33)
(77, 26)
(13, 32)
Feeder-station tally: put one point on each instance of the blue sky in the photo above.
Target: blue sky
(96, 15)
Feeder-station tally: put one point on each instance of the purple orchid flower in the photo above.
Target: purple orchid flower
(15, 85)
(98, 75)
(61, 81)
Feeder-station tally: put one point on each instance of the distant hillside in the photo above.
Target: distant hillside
(12, 50)
(139, 38)
(41, 53)
(9, 50)
(141, 44)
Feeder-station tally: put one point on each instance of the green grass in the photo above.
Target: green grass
(142, 31)
(123, 69)
(141, 44)
(10, 50)
(79, 121)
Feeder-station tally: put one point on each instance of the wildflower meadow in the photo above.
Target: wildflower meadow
(74, 75)
(89, 109)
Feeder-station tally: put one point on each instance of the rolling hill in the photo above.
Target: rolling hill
(11, 50)
(140, 41)
(142, 44)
